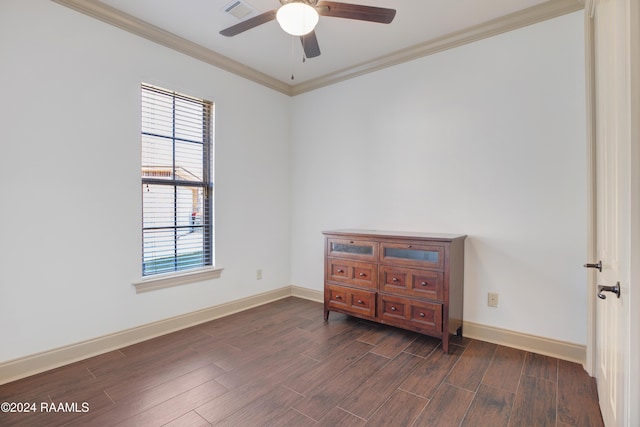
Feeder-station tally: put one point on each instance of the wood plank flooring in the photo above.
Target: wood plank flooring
(281, 365)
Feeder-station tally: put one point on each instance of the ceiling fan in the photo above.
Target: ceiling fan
(299, 18)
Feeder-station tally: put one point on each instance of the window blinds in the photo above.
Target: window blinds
(176, 182)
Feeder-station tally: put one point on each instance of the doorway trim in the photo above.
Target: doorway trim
(590, 101)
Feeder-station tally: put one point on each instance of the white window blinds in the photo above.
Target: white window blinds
(176, 182)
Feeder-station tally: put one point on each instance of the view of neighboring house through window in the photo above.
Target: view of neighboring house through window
(177, 232)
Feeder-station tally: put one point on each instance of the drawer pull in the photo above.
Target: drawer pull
(421, 314)
(393, 309)
(340, 270)
(395, 279)
(359, 301)
(362, 274)
(338, 297)
(424, 283)
(409, 246)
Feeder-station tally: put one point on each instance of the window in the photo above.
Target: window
(177, 194)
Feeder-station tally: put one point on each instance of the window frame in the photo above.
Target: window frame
(171, 272)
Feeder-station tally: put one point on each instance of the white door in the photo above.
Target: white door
(614, 24)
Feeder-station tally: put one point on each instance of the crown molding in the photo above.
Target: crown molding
(542, 12)
(548, 10)
(117, 18)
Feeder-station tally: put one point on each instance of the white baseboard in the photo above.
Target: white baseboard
(305, 293)
(535, 344)
(44, 361)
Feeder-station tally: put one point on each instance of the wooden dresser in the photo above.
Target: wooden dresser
(410, 280)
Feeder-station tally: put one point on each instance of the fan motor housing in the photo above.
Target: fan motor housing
(311, 3)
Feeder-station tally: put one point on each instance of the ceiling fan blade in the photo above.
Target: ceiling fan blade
(355, 11)
(249, 24)
(310, 45)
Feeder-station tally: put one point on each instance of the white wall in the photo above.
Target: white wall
(70, 204)
(488, 140)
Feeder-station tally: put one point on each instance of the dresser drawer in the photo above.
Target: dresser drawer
(420, 316)
(359, 250)
(361, 274)
(412, 255)
(411, 282)
(350, 300)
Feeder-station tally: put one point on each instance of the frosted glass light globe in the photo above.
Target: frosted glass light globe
(297, 19)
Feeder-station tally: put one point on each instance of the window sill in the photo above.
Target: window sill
(162, 281)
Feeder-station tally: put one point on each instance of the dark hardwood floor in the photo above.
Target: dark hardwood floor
(281, 365)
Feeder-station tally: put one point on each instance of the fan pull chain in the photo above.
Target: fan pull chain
(304, 57)
(292, 60)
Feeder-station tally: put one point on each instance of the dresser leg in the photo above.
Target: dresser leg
(326, 315)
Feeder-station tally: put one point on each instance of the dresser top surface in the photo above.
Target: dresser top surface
(394, 234)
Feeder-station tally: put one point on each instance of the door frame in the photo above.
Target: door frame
(632, 411)
(590, 99)
(633, 329)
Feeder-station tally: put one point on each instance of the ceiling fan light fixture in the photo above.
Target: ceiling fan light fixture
(297, 18)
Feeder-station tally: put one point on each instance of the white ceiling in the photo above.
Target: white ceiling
(344, 43)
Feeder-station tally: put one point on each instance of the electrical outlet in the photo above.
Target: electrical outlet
(259, 274)
(492, 299)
